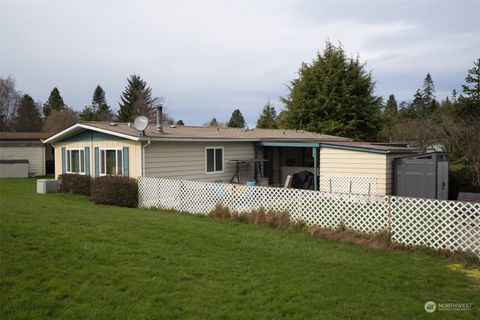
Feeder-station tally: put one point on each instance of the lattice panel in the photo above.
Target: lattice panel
(290, 171)
(437, 224)
(355, 185)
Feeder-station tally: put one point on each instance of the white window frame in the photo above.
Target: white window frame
(214, 160)
(103, 153)
(68, 160)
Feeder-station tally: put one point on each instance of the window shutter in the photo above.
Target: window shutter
(97, 161)
(87, 161)
(125, 161)
(64, 162)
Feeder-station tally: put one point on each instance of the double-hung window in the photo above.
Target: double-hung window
(214, 160)
(75, 161)
(111, 162)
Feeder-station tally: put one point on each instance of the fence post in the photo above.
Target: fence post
(389, 217)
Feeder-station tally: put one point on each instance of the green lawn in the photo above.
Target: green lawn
(63, 257)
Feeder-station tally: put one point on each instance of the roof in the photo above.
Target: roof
(24, 135)
(179, 133)
(373, 147)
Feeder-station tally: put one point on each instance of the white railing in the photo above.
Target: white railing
(346, 184)
(438, 224)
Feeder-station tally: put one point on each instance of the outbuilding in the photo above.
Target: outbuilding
(23, 154)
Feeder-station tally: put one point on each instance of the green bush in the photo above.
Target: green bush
(74, 183)
(115, 190)
(460, 180)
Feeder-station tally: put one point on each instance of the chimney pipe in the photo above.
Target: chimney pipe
(160, 119)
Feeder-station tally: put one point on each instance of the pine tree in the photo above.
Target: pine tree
(236, 120)
(268, 117)
(213, 123)
(54, 102)
(391, 108)
(136, 100)
(333, 95)
(28, 115)
(428, 89)
(99, 110)
(470, 100)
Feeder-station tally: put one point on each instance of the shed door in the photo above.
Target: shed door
(442, 183)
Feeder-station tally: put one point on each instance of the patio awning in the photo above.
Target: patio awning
(296, 144)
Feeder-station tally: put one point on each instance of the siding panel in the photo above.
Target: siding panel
(337, 162)
(186, 160)
(34, 155)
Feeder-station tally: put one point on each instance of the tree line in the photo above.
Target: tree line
(20, 112)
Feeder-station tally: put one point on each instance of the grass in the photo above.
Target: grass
(63, 257)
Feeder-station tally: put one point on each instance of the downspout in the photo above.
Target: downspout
(143, 156)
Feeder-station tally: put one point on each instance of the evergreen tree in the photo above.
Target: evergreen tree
(213, 123)
(391, 108)
(28, 115)
(136, 100)
(333, 95)
(180, 123)
(99, 110)
(424, 103)
(236, 120)
(54, 102)
(470, 100)
(428, 89)
(268, 117)
(454, 96)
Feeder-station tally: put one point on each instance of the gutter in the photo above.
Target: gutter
(143, 156)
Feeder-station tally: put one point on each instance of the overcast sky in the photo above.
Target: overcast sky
(208, 58)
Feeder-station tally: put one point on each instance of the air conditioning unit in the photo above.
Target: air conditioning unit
(47, 185)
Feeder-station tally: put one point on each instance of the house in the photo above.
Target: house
(23, 154)
(224, 155)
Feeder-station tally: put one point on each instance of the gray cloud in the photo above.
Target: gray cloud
(207, 58)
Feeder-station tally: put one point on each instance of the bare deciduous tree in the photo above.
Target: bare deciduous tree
(9, 98)
(462, 137)
(423, 131)
(59, 120)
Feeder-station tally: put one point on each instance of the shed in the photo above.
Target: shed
(422, 176)
(26, 147)
(359, 167)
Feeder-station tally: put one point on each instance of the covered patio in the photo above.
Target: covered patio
(287, 158)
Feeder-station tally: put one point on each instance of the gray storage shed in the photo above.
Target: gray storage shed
(422, 176)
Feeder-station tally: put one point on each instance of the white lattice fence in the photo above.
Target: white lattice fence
(450, 225)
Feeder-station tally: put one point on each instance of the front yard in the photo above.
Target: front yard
(63, 257)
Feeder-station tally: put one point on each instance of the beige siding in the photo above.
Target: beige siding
(186, 160)
(34, 155)
(337, 162)
(134, 155)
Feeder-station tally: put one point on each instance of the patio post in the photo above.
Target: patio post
(315, 169)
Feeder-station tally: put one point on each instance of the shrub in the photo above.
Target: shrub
(115, 190)
(74, 183)
(221, 212)
(460, 179)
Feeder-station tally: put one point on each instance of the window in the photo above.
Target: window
(214, 159)
(75, 161)
(111, 162)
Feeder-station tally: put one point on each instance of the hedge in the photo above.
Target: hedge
(115, 190)
(74, 183)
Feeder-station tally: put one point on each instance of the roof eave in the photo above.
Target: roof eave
(70, 131)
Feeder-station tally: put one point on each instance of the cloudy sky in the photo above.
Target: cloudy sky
(207, 58)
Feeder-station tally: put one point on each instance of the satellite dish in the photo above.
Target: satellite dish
(140, 123)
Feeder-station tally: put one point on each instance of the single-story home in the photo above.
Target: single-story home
(24, 154)
(225, 155)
